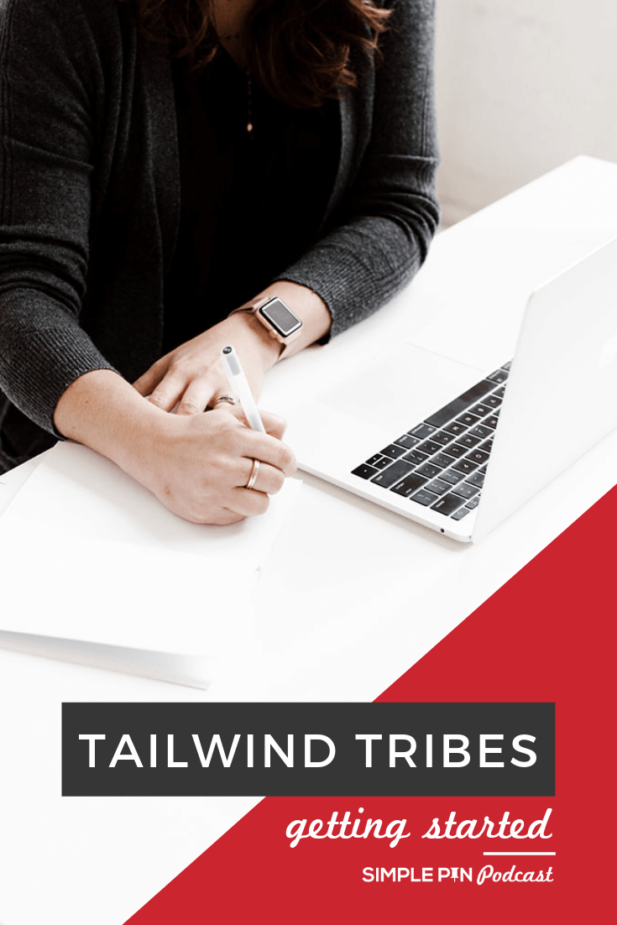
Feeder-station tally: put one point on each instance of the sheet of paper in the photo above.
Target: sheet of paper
(186, 670)
(94, 569)
(121, 594)
(78, 493)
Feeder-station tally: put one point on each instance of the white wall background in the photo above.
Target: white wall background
(522, 86)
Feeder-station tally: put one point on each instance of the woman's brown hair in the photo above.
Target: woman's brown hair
(299, 50)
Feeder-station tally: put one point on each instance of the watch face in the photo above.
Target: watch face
(280, 317)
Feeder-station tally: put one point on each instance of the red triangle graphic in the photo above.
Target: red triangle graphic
(547, 635)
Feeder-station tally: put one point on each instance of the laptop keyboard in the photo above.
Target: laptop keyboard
(441, 462)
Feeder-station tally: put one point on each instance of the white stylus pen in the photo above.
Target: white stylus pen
(237, 381)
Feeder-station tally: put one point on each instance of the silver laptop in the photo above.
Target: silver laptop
(459, 450)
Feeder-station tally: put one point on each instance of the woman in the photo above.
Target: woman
(165, 162)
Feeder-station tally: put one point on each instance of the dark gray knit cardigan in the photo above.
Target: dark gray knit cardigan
(89, 202)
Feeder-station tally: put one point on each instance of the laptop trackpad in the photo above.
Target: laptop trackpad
(401, 388)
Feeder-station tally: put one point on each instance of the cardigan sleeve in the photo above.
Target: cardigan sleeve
(47, 134)
(379, 236)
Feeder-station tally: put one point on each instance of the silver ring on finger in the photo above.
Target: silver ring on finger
(254, 473)
(227, 398)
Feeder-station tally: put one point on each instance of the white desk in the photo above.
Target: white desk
(351, 598)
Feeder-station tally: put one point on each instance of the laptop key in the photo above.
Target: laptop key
(464, 490)
(459, 404)
(429, 470)
(447, 504)
(492, 421)
(481, 431)
(468, 419)
(476, 392)
(456, 450)
(478, 456)
(429, 447)
(421, 431)
(442, 460)
(448, 412)
(439, 486)
(468, 441)
(476, 478)
(481, 409)
(464, 465)
(407, 441)
(499, 376)
(455, 428)
(392, 474)
(452, 476)
(416, 457)
(442, 437)
(493, 401)
(424, 497)
(409, 484)
(364, 471)
(500, 392)
(393, 451)
(473, 503)
(462, 512)
(379, 461)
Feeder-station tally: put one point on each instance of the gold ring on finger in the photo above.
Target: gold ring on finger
(254, 473)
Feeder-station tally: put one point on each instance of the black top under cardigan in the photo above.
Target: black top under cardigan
(251, 202)
(89, 196)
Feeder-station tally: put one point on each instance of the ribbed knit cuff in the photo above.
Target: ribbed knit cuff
(41, 361)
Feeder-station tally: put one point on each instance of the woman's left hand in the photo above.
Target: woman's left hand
(192, 378)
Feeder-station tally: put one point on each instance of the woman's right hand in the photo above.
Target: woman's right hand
(198, 465)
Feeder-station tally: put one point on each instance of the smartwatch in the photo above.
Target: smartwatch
(277, 318)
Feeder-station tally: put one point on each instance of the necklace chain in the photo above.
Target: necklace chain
(249, 104)
(231, 37)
